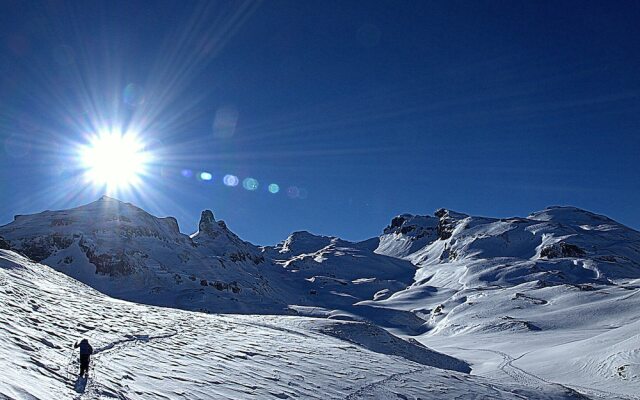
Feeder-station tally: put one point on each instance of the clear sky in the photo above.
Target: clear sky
(357, 110)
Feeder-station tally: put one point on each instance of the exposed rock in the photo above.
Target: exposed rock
(561, 250)
(207, 222)
(448, 222)
(396, 222)
(172, 223)
(41, 247)
(233, 286)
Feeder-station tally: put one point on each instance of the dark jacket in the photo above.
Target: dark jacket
(85, 347)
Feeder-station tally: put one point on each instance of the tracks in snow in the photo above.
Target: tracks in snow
(93, 389)
(528, 379)
(516, 373)
(373, 385)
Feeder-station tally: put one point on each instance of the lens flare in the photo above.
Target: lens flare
(274, 188)
(133, 95)
(230, 180)
(114, 160)
(250, 184)
(205, 176)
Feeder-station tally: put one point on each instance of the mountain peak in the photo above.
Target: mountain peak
(207, 222)
(570, 215)
(449, 214)
(301, 242)
(104, 197)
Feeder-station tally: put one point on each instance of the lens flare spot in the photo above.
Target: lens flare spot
(293, 192)
(133, 95)
(187, 173)
(250, 184)
(274, 188)
(230, 180)
(17, 146)
(225, 121)
(205, 176)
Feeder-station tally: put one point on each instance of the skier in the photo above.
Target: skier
(85, 354)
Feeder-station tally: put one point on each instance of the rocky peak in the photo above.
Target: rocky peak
(411, 225)
(172, 223)
(209, 227)
(448, 222)
(449, 214)
(207, 222)
(215, 236)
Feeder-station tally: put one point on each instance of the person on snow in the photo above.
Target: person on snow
(85, 354)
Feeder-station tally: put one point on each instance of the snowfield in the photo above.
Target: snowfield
(146, 352)
(442, 306)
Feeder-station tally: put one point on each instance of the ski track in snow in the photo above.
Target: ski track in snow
(517, 374)
(93, 389)
(369, 388)
(529, 379)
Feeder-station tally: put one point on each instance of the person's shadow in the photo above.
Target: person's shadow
(81, 384)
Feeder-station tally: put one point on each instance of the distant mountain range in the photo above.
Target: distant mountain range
(128, 253)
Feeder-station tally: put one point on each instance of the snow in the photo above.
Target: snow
(127, 253)
(543, 306)
(147, 352)
(547, 298)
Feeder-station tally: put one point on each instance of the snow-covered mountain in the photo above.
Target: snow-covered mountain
(146, 352)
(126, 252)
(553, 297)
(546, 299)
(459, 256)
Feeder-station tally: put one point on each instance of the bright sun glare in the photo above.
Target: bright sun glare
(114, 160)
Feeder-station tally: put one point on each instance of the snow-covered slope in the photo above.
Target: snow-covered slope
(146, 352)
(330, 277)
(460, 258)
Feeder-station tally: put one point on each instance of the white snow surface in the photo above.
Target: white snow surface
(147, 352)
(553, 297)
(545, 304)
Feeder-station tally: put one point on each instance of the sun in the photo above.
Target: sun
(114, 160)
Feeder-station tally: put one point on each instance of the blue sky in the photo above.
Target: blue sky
(359, 111)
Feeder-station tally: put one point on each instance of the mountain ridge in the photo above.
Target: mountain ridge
(121, 249)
